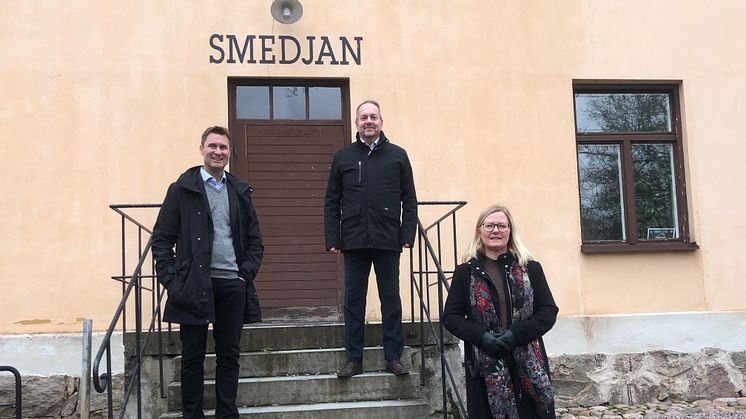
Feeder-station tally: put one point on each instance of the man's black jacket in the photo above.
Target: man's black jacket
(185, 220)
(370, 198)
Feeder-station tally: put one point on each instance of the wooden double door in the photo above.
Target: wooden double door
(285, 133)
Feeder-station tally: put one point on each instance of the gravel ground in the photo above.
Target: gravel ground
(730, 407)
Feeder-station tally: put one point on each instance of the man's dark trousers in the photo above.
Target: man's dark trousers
(357, 269)
(230, 299)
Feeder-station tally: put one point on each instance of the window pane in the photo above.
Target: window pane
(325, 103)
(655, 191)
(252, 102)
(607, 112)
(289, 102)
(601, 199)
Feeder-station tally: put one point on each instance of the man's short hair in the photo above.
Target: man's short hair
(372, 102)
(216, 130)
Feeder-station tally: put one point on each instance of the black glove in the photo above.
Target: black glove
(497, 346)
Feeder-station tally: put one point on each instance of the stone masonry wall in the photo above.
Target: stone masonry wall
(54, 396)
(595, 379)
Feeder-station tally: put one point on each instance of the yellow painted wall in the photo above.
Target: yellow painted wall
(103, 102)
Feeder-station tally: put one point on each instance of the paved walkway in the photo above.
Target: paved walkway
(720, 408)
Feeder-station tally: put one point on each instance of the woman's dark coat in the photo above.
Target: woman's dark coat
(457, 319)
(367, 195)
(185, 220)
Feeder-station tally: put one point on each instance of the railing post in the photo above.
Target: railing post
(422, 311)
(84, 393)
(160, 341)
(442, 350)
(411, 285)
(124, 272)
(109, 389)
(138, 337)
(18, 403)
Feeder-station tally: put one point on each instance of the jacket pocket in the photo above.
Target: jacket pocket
(178, 287)
(392, 211)
(253, 313)
(349, 211)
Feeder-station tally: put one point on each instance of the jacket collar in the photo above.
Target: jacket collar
(477, 263)
(192, 181)
(381, 141)
(242, 188)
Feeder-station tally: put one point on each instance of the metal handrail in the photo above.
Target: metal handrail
(102, 382)
(424, 297)
(118, 209)
(18, 403)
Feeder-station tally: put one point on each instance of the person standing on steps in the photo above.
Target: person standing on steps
(370, 215)
(209, 216)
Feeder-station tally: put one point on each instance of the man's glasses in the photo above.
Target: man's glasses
(500, 227)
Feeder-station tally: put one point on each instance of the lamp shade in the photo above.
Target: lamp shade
(286, 11)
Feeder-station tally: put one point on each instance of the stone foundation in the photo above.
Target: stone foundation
(54, 396)
(596, 379)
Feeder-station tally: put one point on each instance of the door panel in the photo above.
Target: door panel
(287, 162)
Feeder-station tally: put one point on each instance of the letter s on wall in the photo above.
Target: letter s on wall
(217, 48)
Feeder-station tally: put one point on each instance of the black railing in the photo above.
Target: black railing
(136, 282)
(18, 402)
(427, 266)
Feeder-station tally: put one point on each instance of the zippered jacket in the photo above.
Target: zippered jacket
(370, 198)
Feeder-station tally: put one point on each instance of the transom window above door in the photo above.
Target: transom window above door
(630, 168)
(284, 102)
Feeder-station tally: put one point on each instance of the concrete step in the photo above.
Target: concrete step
(389, 409)
(310, 389)
(266, 337)
(298, 362)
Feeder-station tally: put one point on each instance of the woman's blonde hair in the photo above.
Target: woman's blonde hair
(515, 245)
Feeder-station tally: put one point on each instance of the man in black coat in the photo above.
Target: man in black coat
(209, 216)
(370, 214)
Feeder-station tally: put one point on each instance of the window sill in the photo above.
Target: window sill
(640, 247)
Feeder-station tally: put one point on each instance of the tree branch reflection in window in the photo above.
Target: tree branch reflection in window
(623, 112)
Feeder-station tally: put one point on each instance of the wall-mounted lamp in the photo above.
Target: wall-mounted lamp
(287, 11)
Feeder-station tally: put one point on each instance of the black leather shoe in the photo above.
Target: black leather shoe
(396, 367)
(350, 369)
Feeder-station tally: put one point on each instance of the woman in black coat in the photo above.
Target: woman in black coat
(500, 305)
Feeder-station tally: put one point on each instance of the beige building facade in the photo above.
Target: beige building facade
(104, 102)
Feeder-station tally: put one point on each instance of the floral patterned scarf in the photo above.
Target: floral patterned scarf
(531, 366)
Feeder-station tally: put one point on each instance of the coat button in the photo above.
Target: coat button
(200, 266)
(198, 238)
(199, 212)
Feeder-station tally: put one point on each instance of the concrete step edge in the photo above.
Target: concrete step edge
(302, 378)
(326, 388)
(301, 351)
(371, 404)
(298, 362)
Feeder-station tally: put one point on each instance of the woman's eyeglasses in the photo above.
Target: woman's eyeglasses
(500, 227)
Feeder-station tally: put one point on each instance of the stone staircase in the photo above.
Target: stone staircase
(290, 372)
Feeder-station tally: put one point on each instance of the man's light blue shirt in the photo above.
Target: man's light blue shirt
(372, 145)
(210, 179)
